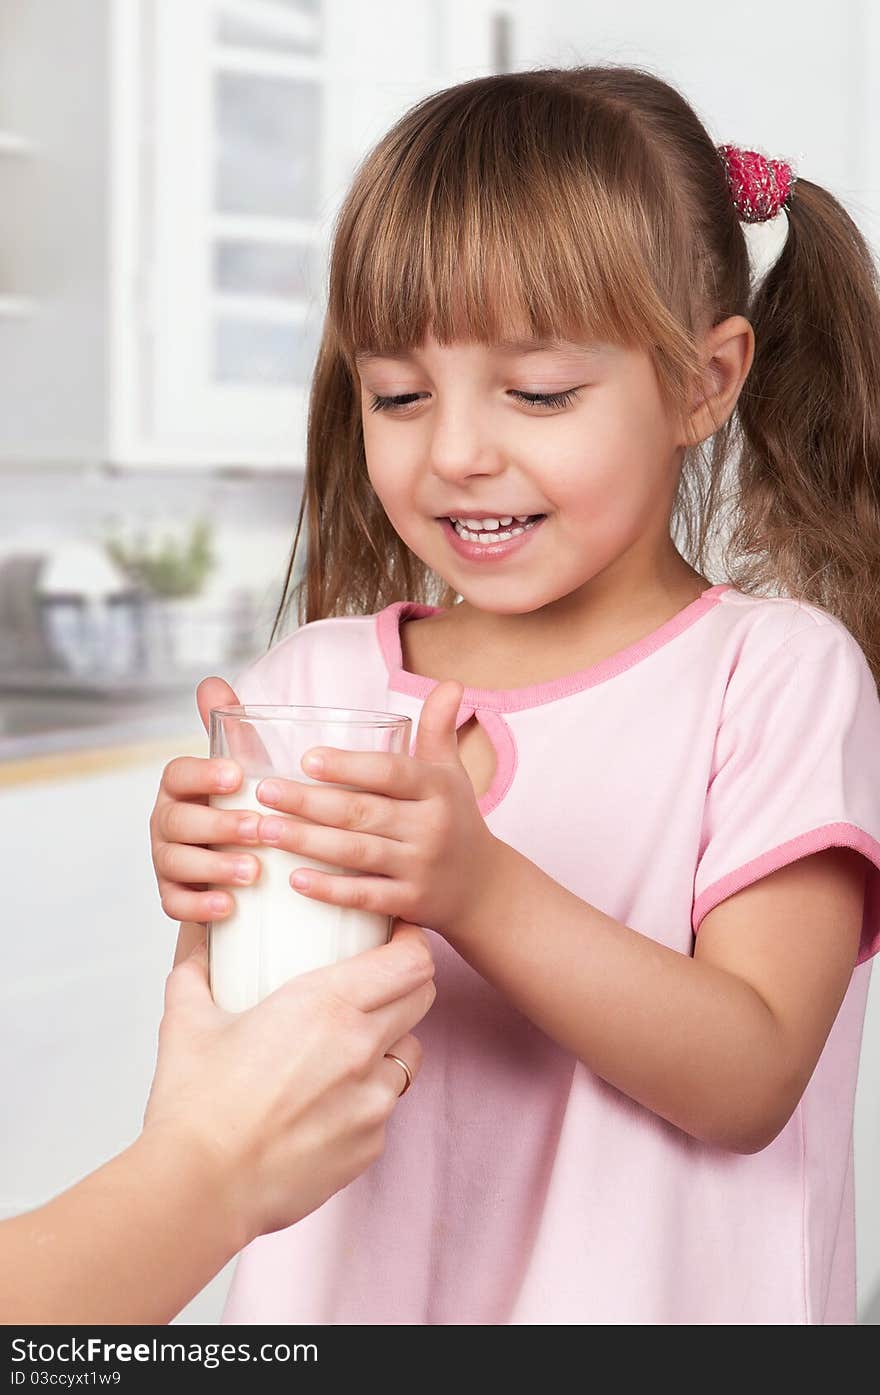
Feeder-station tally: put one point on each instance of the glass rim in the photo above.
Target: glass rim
(288, 712)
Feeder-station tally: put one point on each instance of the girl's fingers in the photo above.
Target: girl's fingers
(357, 852)
(346, 807)
(190, 903)
(186, 776)
(179, 821)
(178, 862)
(382, 895)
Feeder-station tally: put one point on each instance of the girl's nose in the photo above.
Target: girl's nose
(460, 448)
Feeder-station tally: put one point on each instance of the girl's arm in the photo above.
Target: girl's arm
(722, 1044)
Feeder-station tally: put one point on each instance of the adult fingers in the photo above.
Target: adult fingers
(189, 982)
(375, 977)
(406, 1048)
(387, 1024)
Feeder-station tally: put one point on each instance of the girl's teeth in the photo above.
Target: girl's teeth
(471, 535)
(485, 524)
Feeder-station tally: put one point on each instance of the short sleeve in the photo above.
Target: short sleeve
(279, 676)
(248, 686)
(796, 769)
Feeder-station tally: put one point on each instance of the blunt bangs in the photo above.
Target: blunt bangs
(486, 222)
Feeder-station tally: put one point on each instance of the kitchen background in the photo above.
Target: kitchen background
(169, 175)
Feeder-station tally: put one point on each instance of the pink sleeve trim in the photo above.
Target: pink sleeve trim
(830, 835)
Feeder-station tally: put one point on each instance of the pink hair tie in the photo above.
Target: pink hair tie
(761, 191)
(760, 187)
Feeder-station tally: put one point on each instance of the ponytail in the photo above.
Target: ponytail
(807, 514)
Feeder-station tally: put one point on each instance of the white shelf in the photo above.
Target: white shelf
(229, 58)
(242, 227)
(273, 20)
(260, 307)
(13, 144)
(15, 307)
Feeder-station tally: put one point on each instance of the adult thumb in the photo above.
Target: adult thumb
(190, 979)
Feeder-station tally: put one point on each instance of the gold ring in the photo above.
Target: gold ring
(409, 1079)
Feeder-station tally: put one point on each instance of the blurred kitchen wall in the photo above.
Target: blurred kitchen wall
(169, 176)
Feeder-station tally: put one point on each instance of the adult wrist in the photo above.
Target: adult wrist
(209, 1175)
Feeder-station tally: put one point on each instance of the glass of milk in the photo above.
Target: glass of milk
(274, 932)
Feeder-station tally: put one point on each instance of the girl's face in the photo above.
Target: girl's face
(462, 431)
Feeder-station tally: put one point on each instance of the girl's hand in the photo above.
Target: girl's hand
(412, 828)
(287, 1102)
(182, 823)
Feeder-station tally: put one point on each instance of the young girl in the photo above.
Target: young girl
(641, 819)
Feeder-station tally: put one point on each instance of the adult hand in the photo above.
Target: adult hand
(287, 1102)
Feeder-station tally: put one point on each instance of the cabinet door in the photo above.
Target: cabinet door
(261, 111)
(239, 183)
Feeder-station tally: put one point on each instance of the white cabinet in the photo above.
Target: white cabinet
(244, 166)
(15, 156)
(87, 948)
(185, 165)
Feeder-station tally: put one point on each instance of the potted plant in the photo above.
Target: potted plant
(169, 572)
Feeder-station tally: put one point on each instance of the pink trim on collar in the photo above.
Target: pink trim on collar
(389, 620)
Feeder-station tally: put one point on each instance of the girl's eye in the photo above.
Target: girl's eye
(549, 399)
(391, 404)
(533, 399)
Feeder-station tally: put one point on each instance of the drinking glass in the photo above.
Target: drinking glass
(274, 932)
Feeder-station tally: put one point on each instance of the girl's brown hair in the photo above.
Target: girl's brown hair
(591, 203)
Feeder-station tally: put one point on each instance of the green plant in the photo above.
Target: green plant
(166, 566)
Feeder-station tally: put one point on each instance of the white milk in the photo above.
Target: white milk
(276, 932)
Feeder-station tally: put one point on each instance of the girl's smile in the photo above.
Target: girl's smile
(481, 547)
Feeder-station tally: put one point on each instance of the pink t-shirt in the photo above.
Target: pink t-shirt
(518, 1187)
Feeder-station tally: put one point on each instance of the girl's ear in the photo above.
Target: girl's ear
(728, 350)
